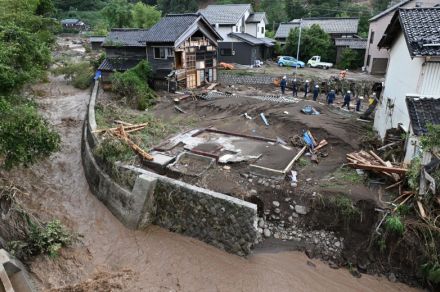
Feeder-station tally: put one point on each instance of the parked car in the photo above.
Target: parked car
(315, 62)
(290, 62)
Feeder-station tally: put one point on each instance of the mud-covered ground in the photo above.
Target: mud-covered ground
(109, 257)
(271, 68)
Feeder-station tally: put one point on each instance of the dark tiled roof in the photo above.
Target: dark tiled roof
(421, 27)
(352, 43)
(331, 25)
(170, 28)
(284, 29)
(257, 17)
(247, 38)
(423, 111)
(118, 64)
(389, 10)
(127, 37)
(225, 14)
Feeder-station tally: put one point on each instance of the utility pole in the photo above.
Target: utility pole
(297, 49)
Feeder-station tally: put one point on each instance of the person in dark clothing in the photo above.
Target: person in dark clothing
(358, 103)
(306, 88)
(347, 99)
(294, 88)
(315, 92)
(283, 85)
(331, 97)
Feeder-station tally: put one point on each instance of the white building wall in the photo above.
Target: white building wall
(379, 26)
(251, 28)
(402, 79)
(224, 31)
(260, 25)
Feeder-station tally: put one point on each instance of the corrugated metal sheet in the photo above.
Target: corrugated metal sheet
(431, 79)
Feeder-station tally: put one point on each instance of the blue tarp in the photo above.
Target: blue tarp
(308, 140)
(97, 75)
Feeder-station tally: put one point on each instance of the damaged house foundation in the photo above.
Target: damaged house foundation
(181, 49)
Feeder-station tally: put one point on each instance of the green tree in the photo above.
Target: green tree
(24, 135)
(118, 13)
(145, 16)
(380, 5)
(45, 8)
(350, 59)
(23, 57)
(295, 9)
(26, 36)
(177, 6)
(314, 42)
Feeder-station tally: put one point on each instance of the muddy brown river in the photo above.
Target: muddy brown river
(110, 257)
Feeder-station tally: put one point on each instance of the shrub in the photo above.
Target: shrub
(42, 239)
(394, 224)
(24, 135)
(80, 74)
(413, 174)
(112, 150)
(432, 138)
(133, 86)
(345, 206)
(432, 272)
(350, 59)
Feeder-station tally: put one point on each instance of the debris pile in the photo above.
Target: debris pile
(121, 133)
(371, 161)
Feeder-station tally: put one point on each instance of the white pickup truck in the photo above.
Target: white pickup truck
(315, 62)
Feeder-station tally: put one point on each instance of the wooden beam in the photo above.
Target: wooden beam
(393, 185)
(379, 168)
(297, 156)
(123, 127)
(421, 209)
(320, 145)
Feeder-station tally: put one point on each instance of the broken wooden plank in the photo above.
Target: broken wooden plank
(124, 127)
(421, 209)
(122, 135)
(135, 129)
(378, 158)
(179, 109)
(403, 202)
(321, 144)
(379, 168)
(123, 123)
(297, 156)
(211, 86)
(389, 145)
(385, 163)
(393, 185)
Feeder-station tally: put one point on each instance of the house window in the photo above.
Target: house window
(226, 52)
(371, 37)
(162, 53)
(262, 30)
(368, 60)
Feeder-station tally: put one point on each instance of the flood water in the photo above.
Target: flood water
(111, 257)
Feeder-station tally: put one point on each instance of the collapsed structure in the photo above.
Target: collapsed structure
(181, 48)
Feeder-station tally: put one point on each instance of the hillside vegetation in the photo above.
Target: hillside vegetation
(96, 13)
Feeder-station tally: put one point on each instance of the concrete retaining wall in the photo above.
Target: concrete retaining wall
(218, 219)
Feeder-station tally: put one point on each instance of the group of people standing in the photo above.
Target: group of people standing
(331, 95)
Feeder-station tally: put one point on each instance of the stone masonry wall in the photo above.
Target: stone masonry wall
(226, 223)
(223, 221)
